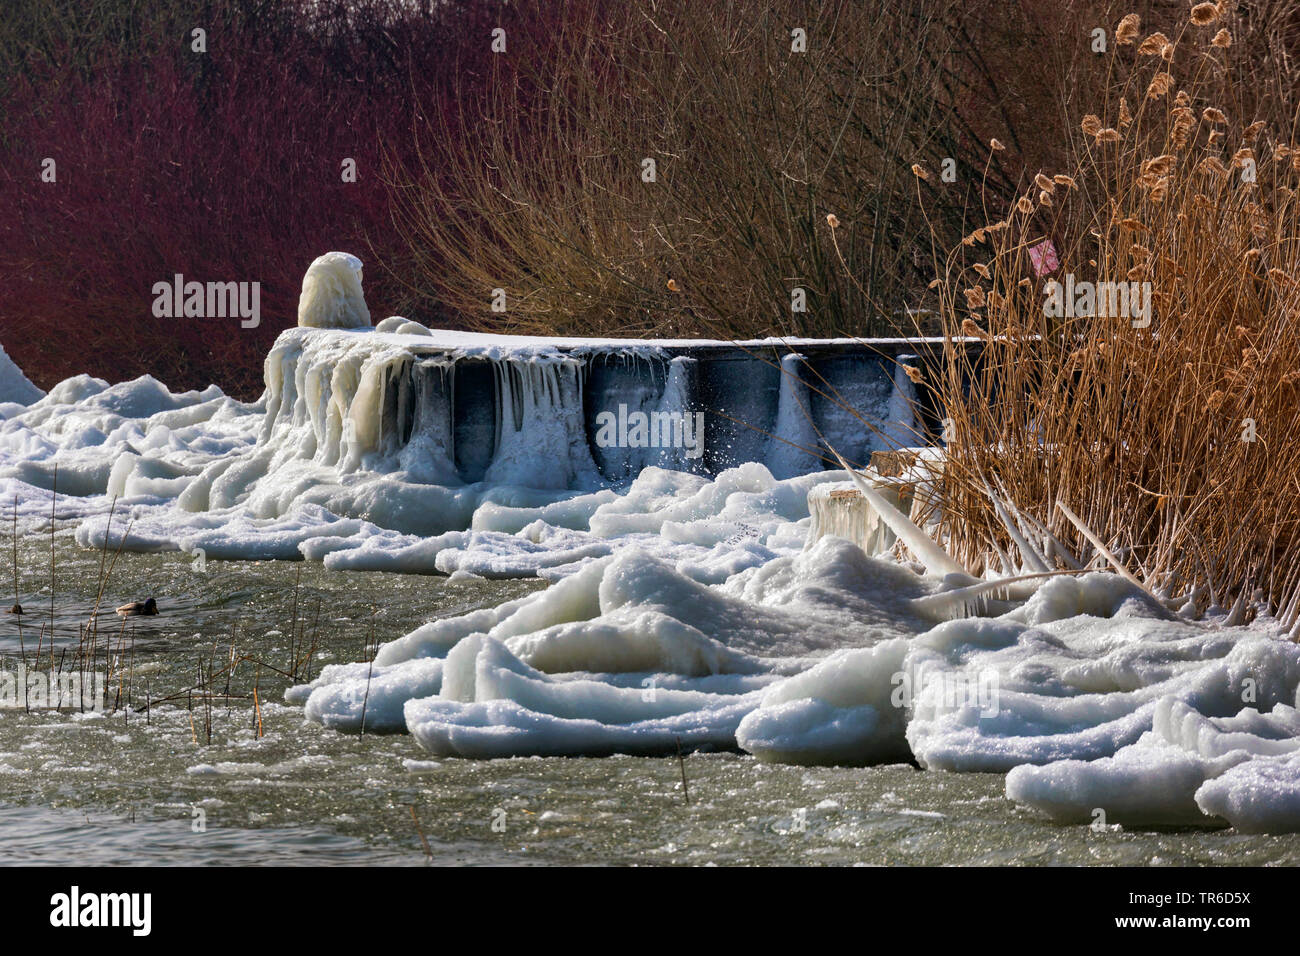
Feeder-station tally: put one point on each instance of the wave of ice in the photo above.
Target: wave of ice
(1090, 695)
(628, 655)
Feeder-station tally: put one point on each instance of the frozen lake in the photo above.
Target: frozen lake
(117, 790)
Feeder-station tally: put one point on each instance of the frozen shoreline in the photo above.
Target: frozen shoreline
(685, 607)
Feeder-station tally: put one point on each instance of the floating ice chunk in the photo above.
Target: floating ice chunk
(1159, 780)
(1256, 796)
(421, 766)
(504, 728)
(331, 294)
(343, 692)
(494, 705)
(843, 711)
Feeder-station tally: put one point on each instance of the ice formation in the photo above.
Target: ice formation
(413, 450)
(692, 602)
(15, 387)
(331, 294)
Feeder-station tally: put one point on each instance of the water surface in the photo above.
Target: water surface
(150, 786)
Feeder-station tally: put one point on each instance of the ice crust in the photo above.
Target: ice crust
(684, 610)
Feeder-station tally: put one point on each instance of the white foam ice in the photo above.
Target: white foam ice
(1090, 695)
(628, 654)
(1173, 774)
(840, 711)
(138, 440)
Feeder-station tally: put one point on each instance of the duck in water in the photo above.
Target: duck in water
(149, 606)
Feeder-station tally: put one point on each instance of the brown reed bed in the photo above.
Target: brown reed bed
(1172, 446)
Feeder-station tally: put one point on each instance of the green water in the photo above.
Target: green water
(137, 785)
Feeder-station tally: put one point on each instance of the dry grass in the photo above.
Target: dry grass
(1144, 432)
(752, 143)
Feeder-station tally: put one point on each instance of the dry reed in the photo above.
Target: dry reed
(1176, 442)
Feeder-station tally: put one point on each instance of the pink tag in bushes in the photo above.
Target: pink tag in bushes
(1043, 256)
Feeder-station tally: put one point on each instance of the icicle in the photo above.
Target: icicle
(540, 420)
(935, 559)
(1032, 558)
(938, 605)
(1102, 550)
(1289, 616)
(1051, 543)
(429, 455)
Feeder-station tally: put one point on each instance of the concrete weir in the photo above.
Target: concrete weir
(454, 407)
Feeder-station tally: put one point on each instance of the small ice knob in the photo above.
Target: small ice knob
(331, 294)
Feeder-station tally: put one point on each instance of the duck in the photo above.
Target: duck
(149, 606)
(16, 609)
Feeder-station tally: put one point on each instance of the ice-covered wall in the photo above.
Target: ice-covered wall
(420, 432)
(449, 408)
